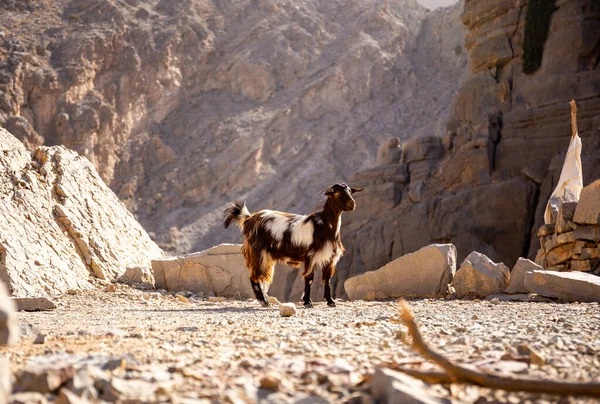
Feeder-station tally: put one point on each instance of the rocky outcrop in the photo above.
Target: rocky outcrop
(60, 224)
(571, 242)
(424, 273)
(478, 276)
(184, 106)
(566, 286)
(218, 271)
(483, 185)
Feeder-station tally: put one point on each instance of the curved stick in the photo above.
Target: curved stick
(464, 374)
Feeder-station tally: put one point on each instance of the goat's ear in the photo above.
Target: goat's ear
(326, 191)
(355, 190)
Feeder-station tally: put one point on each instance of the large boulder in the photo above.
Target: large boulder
(60, 223)
(480, 276)
(9, 330)
(9, 333)
(424, 273)
(567, 286)
(588, 208)
(219, 270)
(517, 275)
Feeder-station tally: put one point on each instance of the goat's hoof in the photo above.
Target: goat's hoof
(331, 304)
(308, 305)
(265, 304)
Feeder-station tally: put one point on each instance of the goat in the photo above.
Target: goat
(313, 240)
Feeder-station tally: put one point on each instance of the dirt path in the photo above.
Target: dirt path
(224, 350)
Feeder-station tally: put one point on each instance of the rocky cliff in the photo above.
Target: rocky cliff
(60, 224)
(484, 185)
(185, 105)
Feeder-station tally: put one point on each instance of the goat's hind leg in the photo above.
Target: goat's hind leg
(257, 274)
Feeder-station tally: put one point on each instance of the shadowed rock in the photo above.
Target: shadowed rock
(480, 276)
(425, 273)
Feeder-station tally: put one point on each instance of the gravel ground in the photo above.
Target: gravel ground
(237, 351)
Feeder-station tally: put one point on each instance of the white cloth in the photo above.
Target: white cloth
(571, 177)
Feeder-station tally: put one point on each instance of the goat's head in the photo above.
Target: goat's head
(341, 195)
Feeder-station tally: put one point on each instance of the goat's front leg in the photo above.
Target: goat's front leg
(308, 280)
(328, 272)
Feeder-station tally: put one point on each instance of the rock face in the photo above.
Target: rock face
(566, 286)
(219, 270)
(517, 275)
(480, 276)
(59, 223)
(183, 106)
(503, 146)
(425, 273)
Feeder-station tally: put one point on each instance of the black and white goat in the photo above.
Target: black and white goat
(313, 240)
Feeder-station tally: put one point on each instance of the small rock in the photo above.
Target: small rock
(40, 339)
(273, 300)
(111, 288)
(182, 299)
(287, 309)
(44, 378)
(388, 386)
(534, 356)
(29, 397)
(34, 304)
(188, 329)
(216, 299)
(68, 397)
(270, 381)
(495, 300)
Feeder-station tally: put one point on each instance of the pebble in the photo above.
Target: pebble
(40, 339)
(287, 309)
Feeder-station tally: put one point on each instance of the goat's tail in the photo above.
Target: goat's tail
(237, 213)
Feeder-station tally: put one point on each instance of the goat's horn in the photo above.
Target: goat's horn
(323, 191)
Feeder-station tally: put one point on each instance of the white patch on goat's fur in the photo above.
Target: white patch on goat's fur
(337, 256)
(323, 256)
(339, 226)
(277, 225)
(302, 232)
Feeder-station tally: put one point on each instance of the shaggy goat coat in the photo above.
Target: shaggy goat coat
(271, 237)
